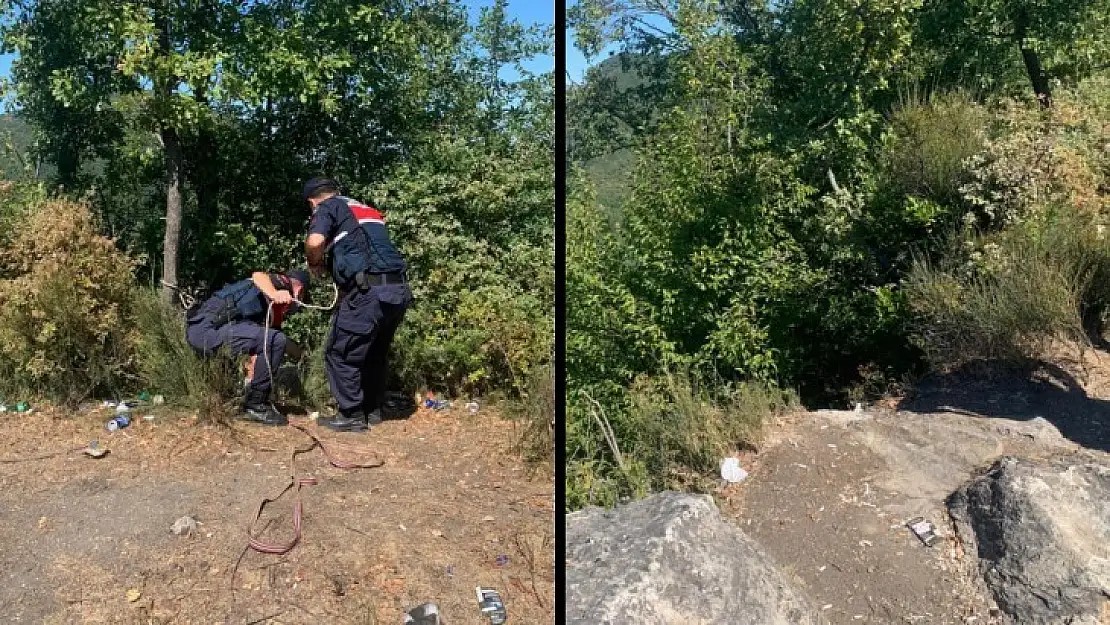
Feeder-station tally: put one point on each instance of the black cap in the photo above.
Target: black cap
(315, 184)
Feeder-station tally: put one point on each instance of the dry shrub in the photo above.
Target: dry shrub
(67, 319)
(1019, 293)
(536, 413)
(1042, 159)
(1035, 267)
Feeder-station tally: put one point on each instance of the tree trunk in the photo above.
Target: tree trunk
(1032, 61)
(68, 164)
(1036, 76)
(172, 152)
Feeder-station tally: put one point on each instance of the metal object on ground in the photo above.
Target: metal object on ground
(924, 530)
(489, 602)
(118, 422)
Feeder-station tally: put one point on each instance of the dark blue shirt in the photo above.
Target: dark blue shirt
(337, 217)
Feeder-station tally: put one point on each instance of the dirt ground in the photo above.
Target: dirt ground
(450, 504)
(829, 495)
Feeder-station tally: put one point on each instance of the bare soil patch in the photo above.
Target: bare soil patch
(452, 508)
(830, 495)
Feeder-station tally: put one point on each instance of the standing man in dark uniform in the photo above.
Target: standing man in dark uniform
(235, 317)
(373, 296)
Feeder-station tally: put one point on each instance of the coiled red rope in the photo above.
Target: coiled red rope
(295, 484)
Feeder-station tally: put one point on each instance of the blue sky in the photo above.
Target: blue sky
(526, 11)
(577, 63)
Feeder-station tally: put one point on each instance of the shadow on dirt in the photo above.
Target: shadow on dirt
(399, 405)
(1039, 390)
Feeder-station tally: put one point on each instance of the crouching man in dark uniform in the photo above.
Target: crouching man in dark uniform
(235, 316)
(373, 298)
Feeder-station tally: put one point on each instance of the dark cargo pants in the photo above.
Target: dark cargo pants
(357, 353)
(241, 337)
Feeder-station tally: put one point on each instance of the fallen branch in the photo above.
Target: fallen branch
(266, 618)
(358, 531)
(607, 432)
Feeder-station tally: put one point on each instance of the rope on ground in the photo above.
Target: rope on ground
(295, 484)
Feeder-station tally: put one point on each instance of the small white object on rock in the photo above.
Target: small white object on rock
(731, 470)
(159, 400)
(184, 525)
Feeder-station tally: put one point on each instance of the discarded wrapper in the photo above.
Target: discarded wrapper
(731, 471)
(924, 530)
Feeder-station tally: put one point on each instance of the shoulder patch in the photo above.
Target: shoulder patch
(365, 213)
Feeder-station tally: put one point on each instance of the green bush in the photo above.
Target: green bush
(930, 143)
(477, 232)
(67, 317)
(168, 365)
(1014, 294)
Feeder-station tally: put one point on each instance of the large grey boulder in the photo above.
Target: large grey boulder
(1041, 530)
(670, 558)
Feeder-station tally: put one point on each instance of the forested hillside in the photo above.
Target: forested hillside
(818, 200)
(184, 132)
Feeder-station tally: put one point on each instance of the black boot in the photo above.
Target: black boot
(374, 417)
(346, 421)
(258, 408)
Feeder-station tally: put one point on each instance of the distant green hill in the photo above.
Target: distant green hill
(611, 175)
(606, 114)
(16, 139)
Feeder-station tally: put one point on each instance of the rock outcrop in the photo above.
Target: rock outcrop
(1041, 531)
(671, 558)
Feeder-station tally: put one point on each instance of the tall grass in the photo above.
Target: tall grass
(1015, 295)
(931, 142)
(536, 413)
(169, 366)
(670, 432)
